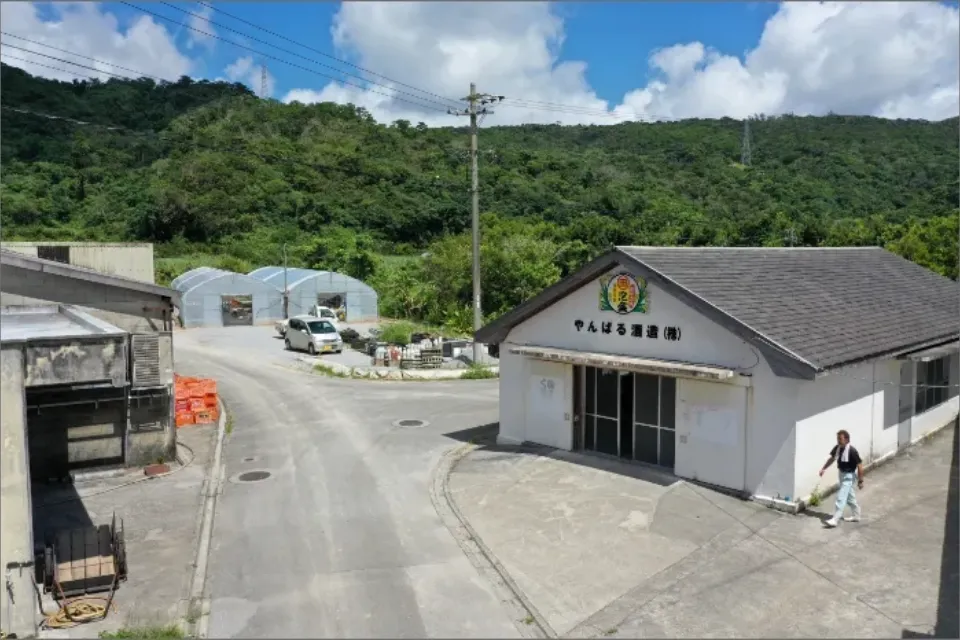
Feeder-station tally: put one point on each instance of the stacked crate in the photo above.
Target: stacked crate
(196, 401)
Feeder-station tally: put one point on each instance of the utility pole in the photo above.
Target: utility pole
(263, 81)
(476, 106)
(745, 145)
(286, 305)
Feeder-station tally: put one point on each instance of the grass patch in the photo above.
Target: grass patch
(815, 497)
(324, 369)
(478, 372)
(169, 632)
(528, 620)
(229, 426)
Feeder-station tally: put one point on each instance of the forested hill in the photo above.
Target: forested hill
(205, 164)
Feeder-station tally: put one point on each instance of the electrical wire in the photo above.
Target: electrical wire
(46, 66)
(292, 64)
(80, 55)
(76, 64)
(327, 55)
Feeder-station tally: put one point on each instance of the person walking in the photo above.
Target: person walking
(850, 467)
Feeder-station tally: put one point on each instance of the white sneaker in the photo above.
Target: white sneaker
(832, 522)
(854, 518)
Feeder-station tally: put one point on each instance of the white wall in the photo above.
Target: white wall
(701, 340)
(865, 401)
(536, 402)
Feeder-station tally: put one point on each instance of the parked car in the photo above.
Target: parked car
(317, 311)
(313, 335)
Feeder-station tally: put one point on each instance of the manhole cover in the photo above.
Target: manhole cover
(253, 476)
(410, 424)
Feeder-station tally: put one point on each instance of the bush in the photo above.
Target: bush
(398, 333)
(478, 372)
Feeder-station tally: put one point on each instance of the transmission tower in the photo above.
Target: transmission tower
(745, 144)
(263, 81)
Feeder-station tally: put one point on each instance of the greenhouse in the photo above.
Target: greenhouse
(353, 300)
(218, 298)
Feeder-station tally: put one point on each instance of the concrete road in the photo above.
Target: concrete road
(341, 540)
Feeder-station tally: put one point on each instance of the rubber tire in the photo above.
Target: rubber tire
(286, 344)
(312, 350)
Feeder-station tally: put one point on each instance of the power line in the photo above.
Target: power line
(80, 55)
(46, 66)
(76, 64)
(441, 108)
(326, 55)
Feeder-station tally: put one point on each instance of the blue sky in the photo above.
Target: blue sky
(613, 38)
(600, 62)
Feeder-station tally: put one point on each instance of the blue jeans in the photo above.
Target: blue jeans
(847, 495)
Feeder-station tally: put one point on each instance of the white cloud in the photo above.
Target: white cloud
(201, 33)
(244, 70)
(885, 59)
(83, 28)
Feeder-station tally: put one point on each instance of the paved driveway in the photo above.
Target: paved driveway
(603, 548)
(342, 539)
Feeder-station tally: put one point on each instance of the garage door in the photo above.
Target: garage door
(711, 433)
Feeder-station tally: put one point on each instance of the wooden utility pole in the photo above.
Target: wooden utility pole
(476, 106)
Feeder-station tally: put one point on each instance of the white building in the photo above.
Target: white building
(732, 366)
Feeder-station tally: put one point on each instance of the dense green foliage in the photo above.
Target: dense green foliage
(215, 176)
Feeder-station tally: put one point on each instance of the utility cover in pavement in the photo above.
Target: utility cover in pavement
(253, 476)
(410, 424)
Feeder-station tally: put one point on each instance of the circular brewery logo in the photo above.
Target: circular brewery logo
(624, 294)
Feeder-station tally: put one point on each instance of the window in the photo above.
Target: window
(933, 379)
(321, 326)
(55, 253)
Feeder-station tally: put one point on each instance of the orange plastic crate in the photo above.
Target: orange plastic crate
(184, 419)
(181, 406)
(210, 400)
(197, 404)
(204, 417)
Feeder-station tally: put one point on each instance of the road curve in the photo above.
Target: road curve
(342, 539)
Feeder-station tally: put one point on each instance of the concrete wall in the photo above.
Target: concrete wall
(120, 259)
(77, 361)
(152, 435)
(16, 516)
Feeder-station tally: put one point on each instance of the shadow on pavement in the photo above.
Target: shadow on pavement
(57, 507)
(948, 602)
(485, 436)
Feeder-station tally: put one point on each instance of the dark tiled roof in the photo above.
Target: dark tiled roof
(828, 306)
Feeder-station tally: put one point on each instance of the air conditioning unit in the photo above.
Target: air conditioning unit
(145, 360)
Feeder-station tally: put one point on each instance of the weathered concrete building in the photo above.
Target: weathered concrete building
(733, 366)
(76, 391)
(125, 259)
